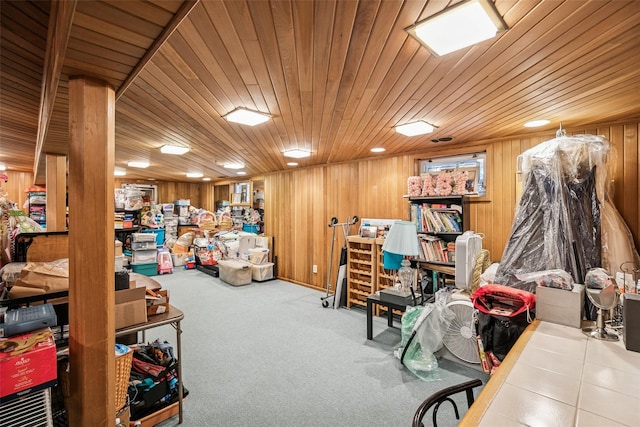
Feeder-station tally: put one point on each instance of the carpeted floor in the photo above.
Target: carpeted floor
(269, 354)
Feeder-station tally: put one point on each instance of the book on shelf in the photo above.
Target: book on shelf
(433, 248)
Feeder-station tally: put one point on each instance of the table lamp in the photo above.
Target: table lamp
(402, 240)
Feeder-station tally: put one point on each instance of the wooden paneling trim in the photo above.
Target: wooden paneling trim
(60, 19)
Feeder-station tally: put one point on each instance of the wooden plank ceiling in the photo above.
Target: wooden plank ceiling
(336, 76)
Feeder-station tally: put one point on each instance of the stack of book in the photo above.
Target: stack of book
(433, 249)
(437, 218)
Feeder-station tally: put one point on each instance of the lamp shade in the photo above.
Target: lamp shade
(402, 239)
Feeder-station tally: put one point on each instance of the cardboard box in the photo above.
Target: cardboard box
(235, 272)
(29, 371)
(258, 255)
(560, 306)
(131, 307)
(158, 303)
(118, 248)
(262, 272)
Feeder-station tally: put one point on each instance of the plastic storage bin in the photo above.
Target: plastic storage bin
(159, 232)
(150, 269)
(144, 257)
(235, 272)
(250, 228)
(262, 272)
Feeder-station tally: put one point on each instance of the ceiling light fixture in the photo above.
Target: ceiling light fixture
(138, 164)
(119, 172)
(194, 175)
(378, 150)
(3, 167)
(462, 25)
(246, 117)
(173, 149)
(241, 173)
(297, 154)
(537, 123)
(415, 128)
(292, 164)
(207, 179)
(234, 165)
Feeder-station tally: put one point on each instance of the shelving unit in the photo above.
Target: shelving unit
(361, 269)
(439, 219)
(38, 207)
(129, 225)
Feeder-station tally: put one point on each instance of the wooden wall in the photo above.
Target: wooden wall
(300, 203)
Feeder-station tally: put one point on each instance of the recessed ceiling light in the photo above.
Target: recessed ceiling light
(459, 26)
(241, 173)
(173, 149)
(292, 164)
(138, 164)
(247, 117)
(194, 175)
(119, 172)
(206, 179)
(378, 150)
(234, 165)
(537, 123)
(416, 128)
(297, 154)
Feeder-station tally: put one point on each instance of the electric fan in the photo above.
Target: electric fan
(460, 338)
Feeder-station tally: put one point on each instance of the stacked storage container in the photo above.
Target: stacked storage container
(144, 254)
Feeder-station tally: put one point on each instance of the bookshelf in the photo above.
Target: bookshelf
(439, 221)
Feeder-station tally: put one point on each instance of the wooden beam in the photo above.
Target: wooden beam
(59, 31)
(91, 253)
(56, 192)
(182, 13)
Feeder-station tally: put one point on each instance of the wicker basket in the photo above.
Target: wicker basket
(225, 224)
(123, 370)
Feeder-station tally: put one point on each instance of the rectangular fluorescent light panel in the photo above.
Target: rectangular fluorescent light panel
(173, 149)
(247, 117)
(138, 164)
(460, 26)
(3, 167)
(119, 172)
(415, 128)
(297, 154)
(233, 165)
(194, 175)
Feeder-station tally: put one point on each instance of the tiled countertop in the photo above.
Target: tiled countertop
(557, 376)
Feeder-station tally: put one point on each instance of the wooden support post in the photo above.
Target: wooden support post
(56, 192)
(91, 253)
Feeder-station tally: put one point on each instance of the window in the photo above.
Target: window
(474, 164)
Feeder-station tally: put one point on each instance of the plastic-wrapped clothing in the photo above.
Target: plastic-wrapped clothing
(557, 222)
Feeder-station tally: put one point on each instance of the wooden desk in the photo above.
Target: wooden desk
(172, 317)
